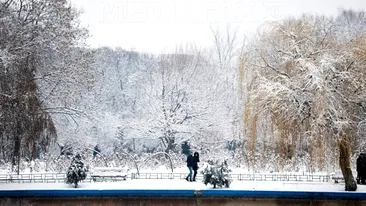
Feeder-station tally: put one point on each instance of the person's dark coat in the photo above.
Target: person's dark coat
(96, 151)
(196, 159)
(361, 168)
(190, 161)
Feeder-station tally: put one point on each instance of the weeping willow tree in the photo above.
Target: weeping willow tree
(36, 39)
(308, 81)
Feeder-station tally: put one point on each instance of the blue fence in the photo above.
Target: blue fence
(60, 177)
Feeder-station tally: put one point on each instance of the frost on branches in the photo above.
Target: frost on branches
(217, 174)
(76, 171)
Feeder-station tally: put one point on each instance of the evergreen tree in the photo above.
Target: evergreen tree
(186, 149)
(76, 171)
(216, 174)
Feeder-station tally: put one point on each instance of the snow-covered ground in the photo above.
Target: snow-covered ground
(181, 184)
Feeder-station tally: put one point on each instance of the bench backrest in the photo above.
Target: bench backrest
(110, 170)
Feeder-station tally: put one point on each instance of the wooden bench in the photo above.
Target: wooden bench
(109, 173)
(337, 179)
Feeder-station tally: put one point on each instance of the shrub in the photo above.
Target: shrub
(76, 172)
(217, 174)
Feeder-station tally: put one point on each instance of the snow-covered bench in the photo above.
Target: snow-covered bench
(338, 179)
(109, 174)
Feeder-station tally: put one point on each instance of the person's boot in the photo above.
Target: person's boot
(190, 179)
(187, 178)
(194, 179)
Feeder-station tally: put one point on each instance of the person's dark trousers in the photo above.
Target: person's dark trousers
(194, 174)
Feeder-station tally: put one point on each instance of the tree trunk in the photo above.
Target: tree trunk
(344, 163)
(17, 142)
(16, 153)
(34, 151)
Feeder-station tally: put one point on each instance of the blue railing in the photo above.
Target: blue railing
(60, 177)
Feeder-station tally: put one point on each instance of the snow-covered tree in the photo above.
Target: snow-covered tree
(76, 172)
(36, 38)
(216, 173)
(309, 85)
(180, 96)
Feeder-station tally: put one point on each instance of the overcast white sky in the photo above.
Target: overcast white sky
(160, 25)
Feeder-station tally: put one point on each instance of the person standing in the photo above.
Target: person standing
(196, 159)
(358, 169)
(190, 162)
(361, 168)
(96, 151)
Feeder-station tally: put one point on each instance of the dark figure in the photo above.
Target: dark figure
(361, 169)
(96, 151)
(358, 168)
(190, 162)
(196, 159)
(66, 150)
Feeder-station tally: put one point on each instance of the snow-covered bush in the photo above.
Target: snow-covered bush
(217, 174)
(76, 172)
